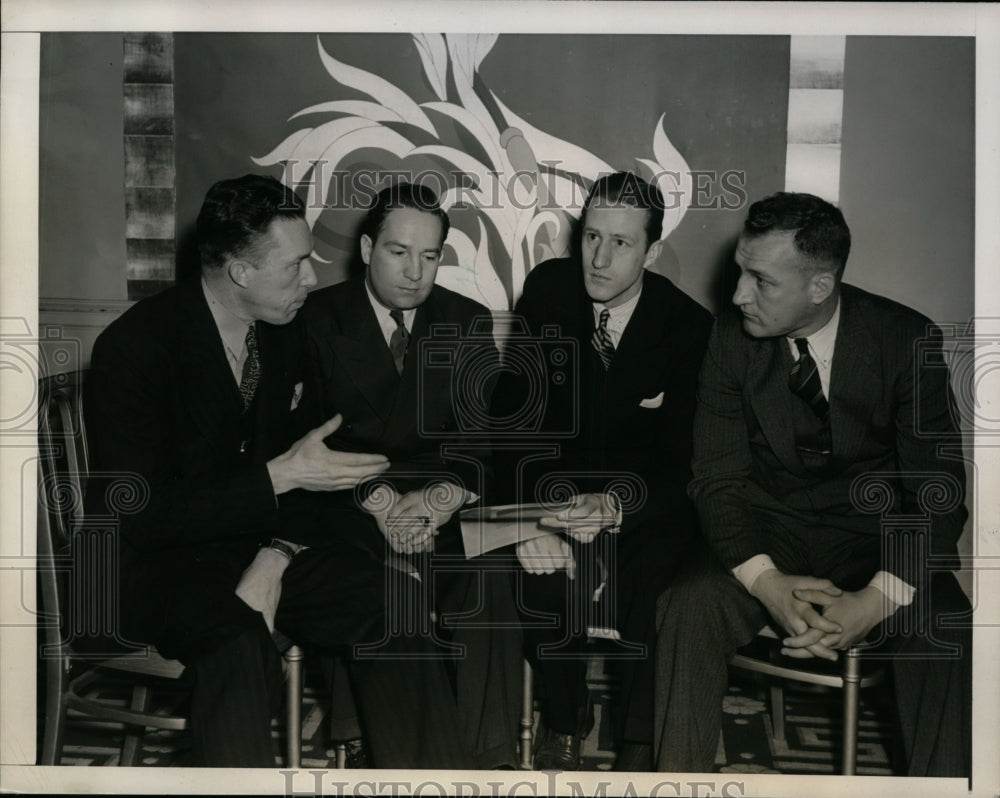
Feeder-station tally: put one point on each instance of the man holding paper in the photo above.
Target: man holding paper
(619, 432)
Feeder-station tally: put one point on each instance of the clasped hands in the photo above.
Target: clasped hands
(411, 520)
(819, 617)
(588, 515)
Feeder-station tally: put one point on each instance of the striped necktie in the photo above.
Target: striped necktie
(251, 369)
(805, 383)
(399, 340)
(602, 340)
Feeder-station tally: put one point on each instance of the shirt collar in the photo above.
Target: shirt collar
(618, 316)
(232, 329)
(822, 341)
(382, 313)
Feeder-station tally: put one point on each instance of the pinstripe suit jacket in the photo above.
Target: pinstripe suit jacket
(896, 448)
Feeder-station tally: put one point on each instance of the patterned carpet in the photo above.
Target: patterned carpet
(746, 745)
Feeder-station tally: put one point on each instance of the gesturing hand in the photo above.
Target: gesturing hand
(546, 555)
(312, 465)
(777, 592)
(589, 514)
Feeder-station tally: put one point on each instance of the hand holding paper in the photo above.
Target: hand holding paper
(588, 516)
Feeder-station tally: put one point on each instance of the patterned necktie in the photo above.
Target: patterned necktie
(805, 383)
(602, 340)
(399, 340)
(251, 369)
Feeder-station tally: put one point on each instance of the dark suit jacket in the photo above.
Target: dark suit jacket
(890, 409)
(633, 423)
(160, 401)
(409, 417)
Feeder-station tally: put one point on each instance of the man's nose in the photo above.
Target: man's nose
(307, 277)
(742, 295)
(601, 257)
(414, 269)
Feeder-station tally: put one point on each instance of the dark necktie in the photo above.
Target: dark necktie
(400, 338)
(602, 340)
(805, 383)
(251, 369)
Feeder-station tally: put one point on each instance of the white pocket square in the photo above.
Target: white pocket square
(656, 401)
(297, 395)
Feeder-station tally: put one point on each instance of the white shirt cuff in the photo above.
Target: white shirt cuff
(747, 572)
(893, 588)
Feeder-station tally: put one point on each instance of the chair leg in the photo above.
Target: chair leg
(852, 689)
(778, 710)
(293, 699)
(55, 710)
(527, 716)
(134, 734)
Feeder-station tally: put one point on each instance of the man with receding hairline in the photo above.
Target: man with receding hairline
(812, 389)
(204, 393)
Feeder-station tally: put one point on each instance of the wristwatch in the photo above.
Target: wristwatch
(280, 546)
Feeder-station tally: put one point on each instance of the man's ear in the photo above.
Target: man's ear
(821, 287)
(366, 248)
(652, 254)
(238, 271)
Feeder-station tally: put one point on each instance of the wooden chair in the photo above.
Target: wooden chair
(62, 476)
(849, 678)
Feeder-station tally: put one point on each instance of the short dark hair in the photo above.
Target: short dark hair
(236, 214)
(820, 230)
(403, 195)
(626, 188)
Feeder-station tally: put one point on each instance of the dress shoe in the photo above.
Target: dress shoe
(355, 754)
(558, 752)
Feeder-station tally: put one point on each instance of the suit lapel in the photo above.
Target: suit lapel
(365, 355)
(640, 342)
(852, 400)
(273, 400)
(767, 388)
(206, 381)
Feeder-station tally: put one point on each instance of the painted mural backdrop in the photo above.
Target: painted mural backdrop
(524, 184)
(511, 130)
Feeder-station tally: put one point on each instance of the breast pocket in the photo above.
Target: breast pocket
(652, 402)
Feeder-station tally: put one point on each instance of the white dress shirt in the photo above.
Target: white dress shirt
(618, 317)
(385, 321)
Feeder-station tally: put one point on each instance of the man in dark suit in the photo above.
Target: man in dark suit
(389, 348)
(621, 425)
(824, 418)
(201, 392)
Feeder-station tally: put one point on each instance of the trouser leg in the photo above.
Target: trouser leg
(190, 611)
(478, 613)
(557, 650)
(932, 673)
(237, 690)
(701, 619)
(341, 598)
(646, 564)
